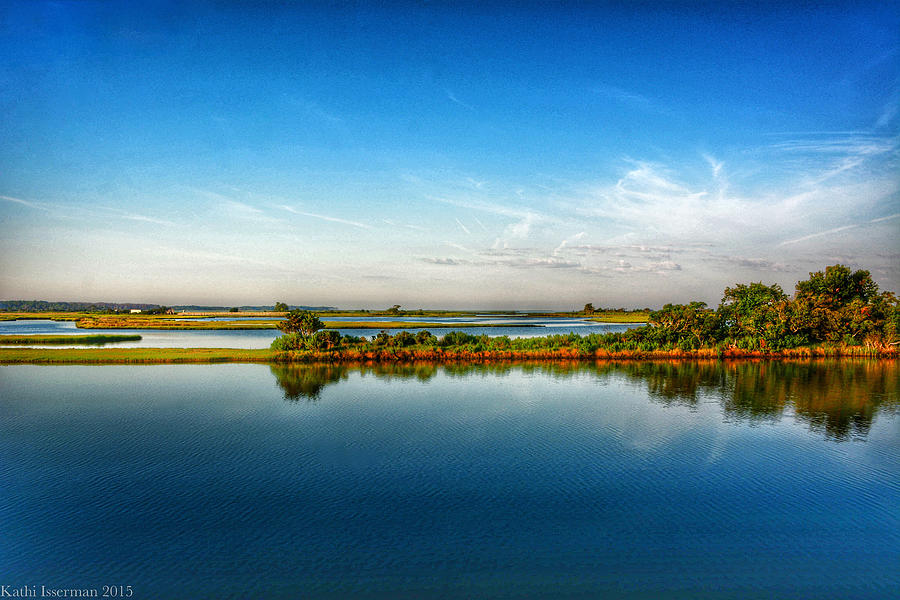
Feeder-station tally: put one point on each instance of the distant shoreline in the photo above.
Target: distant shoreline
(193, 321)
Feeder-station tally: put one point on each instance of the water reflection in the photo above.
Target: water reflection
(837, 398)
(306, 381)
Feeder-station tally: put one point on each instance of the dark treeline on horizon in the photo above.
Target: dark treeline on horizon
(62, 306)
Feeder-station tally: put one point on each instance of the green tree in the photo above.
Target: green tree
(281, 307)
(394, 310)
(757, 314)
(302, 322)
(840, 305)
(325, 340)
(589, 309)
(837, 287)
(686, 325)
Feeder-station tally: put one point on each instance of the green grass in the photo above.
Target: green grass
(406, 325)
(66, 339)
(603, 316)
(621, 317)
(51, 316)
(169, 323)
(100, 356)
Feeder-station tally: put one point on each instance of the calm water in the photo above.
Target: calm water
(243, 338)
(642, 480)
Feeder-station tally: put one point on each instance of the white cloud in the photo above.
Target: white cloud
(716, 165)
(522, 228)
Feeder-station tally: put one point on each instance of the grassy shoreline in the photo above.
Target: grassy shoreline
(252, 325)
(66, 339)
(10, 356)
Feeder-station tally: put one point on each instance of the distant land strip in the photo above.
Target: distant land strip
(149, 323)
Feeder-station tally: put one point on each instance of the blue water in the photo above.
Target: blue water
(641, 480)
(262, 338)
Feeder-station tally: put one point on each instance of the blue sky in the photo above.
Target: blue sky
(444, 155)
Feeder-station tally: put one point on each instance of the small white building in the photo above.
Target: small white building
(135, 311)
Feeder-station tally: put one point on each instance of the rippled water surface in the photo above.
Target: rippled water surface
(638, 480)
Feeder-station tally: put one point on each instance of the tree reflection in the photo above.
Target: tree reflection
(306, 381)
(839, 398)
(672, 382)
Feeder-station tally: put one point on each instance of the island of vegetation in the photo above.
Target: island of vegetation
(836, 312)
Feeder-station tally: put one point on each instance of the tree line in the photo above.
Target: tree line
(45, 306)
(837, 306)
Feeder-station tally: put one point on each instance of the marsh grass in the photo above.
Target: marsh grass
(168, 323)
(66, 339)
(89, 356)
(411, 325)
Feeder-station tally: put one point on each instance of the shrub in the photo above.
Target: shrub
(289, 342)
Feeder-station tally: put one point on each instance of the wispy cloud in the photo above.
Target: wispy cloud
(463, 227)
(239, 207)
(246, 212)
(843, 144)
(146, 219)
(227, 206)
(457, 246)
(716, 165)
(312, 109)
(325, 217)
(485, 206)
(130, 216)
(404, 225)
(452, 97)
(211, 257)
(519, 262)
(753, 264)
(699, 218)
(887, 218)
(651, 267)
(819, 234)
(839, 229)
(623, 96)
(209, 194)
(888, 113)
(27, 203)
